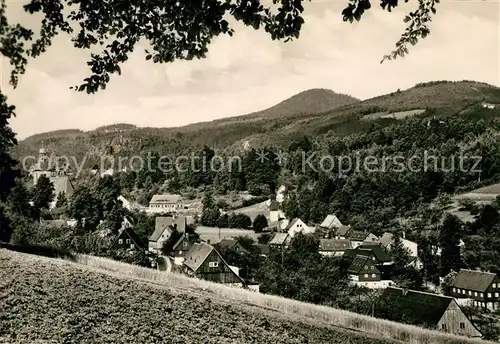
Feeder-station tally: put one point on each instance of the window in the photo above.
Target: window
(366, 275)
(454, 290)
(475, 293)
(120, 241)
(373, 275)
(127, 241)
(131, 245)
(481, 294)
(366, 267)
(462, 325)
(213, 264)
(496, 294)
(489, 294)
(443, 326)
(180, 252)
(494, 285)
(372, 267)
(470, 292)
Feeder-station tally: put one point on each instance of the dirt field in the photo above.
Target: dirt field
(53, 301)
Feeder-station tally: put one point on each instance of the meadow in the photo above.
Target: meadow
(99, 300)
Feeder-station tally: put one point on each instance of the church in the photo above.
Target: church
(46, 166)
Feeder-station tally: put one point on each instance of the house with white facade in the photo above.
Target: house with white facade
(298, 226)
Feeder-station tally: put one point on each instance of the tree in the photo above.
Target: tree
(120, 25)
(259, 223)
(399, 253)
(8, 173)
(19, 201)
(85, 208)
(43, 193)
(449, 238)
(62, 200)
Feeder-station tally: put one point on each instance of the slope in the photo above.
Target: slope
(59, 301)
(55, 301)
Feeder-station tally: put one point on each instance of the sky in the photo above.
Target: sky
(250, 72)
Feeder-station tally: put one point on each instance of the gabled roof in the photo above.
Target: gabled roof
(334, 244)
(132, 235)
(358, 236)
(162, 223)
(331, 221)
(358, 263)
(197, 255)
(166, 198)
(227, 243)
(181, 239)
(62, 184)
(473, 280)
(279, 239)
(292, 223)
(264, 249)
(386, 239)
(343, 230)
(274, 206)
(377, 250)
(415, 307)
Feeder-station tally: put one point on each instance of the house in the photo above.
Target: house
(164, 227)
(62, 185)
(180, 248)
(203, 261)
(343, 232)
(280, 194)
(263, 249)
(372, 251)
(357, 238)
(231, 243)
(129, 205)
(427, 310)
(277, 226)
(482, 288)
(275, 213)
(280, 240)
(333, 247)
(412, 248)
(331, 222)
(364, 273)
(128, 240)
(298, 226)
(167, 203)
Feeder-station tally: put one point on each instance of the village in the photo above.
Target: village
(180, 243)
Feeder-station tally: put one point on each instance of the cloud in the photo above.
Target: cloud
(249, 71)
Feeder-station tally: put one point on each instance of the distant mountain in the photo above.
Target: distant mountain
(313, 101)
(312, 112)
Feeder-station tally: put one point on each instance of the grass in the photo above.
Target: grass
(45, 300)
(15, 265)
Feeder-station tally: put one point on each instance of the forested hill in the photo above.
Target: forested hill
(314, 113)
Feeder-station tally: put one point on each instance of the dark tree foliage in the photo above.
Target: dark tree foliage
(85, 208)
(43, 193)
(259, 223)
(449, 239)
(62, 200)
(19, 201)
(175, 30)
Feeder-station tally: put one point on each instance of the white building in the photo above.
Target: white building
(298, 226)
